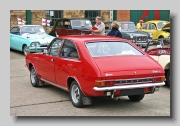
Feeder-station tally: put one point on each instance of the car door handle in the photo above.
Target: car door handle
(52, 60)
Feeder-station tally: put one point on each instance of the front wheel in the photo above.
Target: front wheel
(136, 98)
(25, 50)
(35, 81)
(161, 38)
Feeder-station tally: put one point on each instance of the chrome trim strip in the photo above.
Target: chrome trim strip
(128, 86)
(37, 48)
(134, 78)
(124, 79)
(133, 83)
(54, 84)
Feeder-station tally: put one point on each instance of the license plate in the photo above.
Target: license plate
(131, 92)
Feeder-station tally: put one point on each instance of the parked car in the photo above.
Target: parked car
(95, 66)
(160, 51)
(159, 28)
(130, 32)
(71, 26)
(29, 36)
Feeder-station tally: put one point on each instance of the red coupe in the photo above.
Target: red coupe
(92, 66)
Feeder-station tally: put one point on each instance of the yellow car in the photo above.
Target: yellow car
(158, 28)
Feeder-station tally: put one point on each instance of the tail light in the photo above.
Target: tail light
(104, 83)
(159, 79)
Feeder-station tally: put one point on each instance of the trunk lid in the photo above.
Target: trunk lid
(128, 67)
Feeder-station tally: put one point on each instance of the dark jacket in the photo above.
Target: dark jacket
(114, 32)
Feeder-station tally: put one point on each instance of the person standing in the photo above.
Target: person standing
(139, 25)
(115, 30)
(99, 27)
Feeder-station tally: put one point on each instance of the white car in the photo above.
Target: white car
(160, 51)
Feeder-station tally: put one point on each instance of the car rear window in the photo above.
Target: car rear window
(81, 23)
(99, 49)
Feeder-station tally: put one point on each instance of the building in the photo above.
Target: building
(35, 16)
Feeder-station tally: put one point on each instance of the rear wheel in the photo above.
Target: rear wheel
(136, 98)
(76, 95)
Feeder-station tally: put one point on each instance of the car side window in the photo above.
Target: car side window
(67, 25)
(53, 50)
(60, 24)
(152, 27)
(15, 30)
(69, 50)
(144, 26)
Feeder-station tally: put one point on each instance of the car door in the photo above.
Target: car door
(14, 33)
(47, 61)
(68, 64)
(150, 27)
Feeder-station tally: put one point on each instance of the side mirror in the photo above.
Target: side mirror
(45, 51)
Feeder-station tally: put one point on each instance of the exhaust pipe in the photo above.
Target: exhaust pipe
(154, 89)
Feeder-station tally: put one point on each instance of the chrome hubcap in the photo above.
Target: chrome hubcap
(75, 94)
(25, 50)
(33, 76)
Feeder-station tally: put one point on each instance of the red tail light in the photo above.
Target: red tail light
(109, 83)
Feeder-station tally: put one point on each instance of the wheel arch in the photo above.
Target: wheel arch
(160, 36)
(70, 79)
(30, 65)
(23, 46)
(167, 66)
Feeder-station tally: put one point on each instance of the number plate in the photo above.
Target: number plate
(131, 92)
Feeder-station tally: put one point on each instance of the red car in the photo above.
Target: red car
(92, 66)
(71, 26)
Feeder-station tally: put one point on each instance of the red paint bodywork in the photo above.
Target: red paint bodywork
(63, 31)
(86, 70)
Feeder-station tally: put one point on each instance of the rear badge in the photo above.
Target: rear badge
(134, 72)
(108, 74)
(156, 71)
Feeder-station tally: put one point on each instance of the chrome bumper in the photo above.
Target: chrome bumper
(128, 86)
(36, 48)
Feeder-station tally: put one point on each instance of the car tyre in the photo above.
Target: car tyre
(168, 78)
(25, 50)
(136, 98)
(162, 38)
(76, 95)
(35, 81)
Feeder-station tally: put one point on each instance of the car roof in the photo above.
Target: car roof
(119, 21)
(72, 19)
(86, 38)
(155, 21)
(27, 25)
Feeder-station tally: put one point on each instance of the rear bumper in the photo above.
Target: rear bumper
(128, 86)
